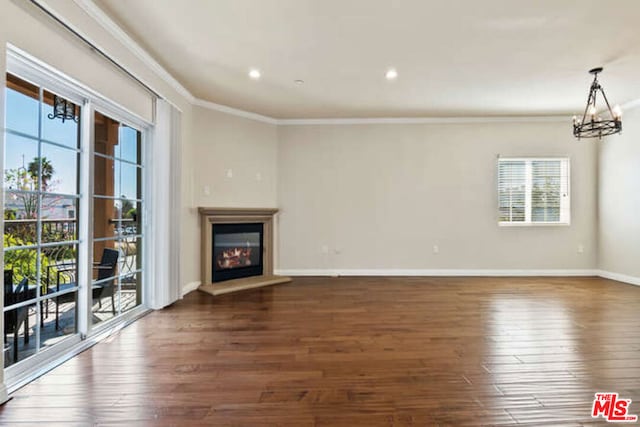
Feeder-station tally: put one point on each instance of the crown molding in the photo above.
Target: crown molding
(98, 15)
(235, 112)
(423, 120)
(376, 120)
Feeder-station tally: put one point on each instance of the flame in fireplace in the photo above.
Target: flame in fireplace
(234, 258)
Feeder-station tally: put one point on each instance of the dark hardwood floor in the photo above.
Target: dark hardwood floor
(358, 351)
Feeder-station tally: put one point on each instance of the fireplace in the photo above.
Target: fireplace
(237, 251)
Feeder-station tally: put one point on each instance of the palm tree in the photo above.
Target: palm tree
(47, 171)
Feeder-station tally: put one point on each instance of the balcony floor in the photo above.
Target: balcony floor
(49, 335)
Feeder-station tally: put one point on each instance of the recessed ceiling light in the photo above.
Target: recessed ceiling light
(254, 73)
(391, 74)
(299, 82)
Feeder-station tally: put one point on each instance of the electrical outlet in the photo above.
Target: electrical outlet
(206, 190)
(325, 249)
(580, 249)
(229, 173)
(258, 177)
(436, 249)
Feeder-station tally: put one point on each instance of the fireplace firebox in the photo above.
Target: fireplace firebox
(237, 251)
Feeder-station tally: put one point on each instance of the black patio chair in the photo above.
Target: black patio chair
(106, 268)
(15, 318)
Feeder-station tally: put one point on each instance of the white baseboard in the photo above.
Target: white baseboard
(304, 272)
(189, 287)
(619, 277)
(4, 395)
(435, 272)
(460, 272)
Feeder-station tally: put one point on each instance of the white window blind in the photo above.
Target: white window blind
(533, 191)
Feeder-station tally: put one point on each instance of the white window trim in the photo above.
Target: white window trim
(566, 207)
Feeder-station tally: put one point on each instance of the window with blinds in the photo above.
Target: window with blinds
(533, 191)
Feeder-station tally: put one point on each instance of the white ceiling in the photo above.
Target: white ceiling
(454, 57)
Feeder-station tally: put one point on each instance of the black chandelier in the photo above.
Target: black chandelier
(592, 125)
(63, 109)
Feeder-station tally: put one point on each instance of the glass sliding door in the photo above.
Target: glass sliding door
(117, 212)
(41, 201)
(73, 209)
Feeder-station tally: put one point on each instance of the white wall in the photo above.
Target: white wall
(221, 143)
(246, 148)
(619, 201)
(380, 196)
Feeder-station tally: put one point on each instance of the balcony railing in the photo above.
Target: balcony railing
(65, 229)
(26, 228)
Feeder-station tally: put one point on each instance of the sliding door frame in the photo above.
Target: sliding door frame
(31, 69)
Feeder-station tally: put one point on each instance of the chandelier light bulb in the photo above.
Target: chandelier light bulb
(592, 110)
(617, 112)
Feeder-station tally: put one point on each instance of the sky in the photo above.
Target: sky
(22, 116)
